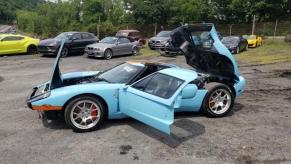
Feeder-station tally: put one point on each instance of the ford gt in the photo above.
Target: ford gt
(146, 91)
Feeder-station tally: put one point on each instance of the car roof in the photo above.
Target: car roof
(4, 35)
(128, 31)
(181, 73)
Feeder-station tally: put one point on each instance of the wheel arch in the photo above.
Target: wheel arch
(231, 87)
(31, 45)
(88, 94)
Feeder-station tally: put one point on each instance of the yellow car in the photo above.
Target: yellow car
(253, 40)
(15, 44)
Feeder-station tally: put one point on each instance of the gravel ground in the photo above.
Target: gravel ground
(256, 131)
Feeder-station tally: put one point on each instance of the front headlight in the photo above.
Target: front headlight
(164, 41)
(53, 44)
(40, 92)
(41, 96)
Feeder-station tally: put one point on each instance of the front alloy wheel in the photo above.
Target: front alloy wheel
(134, 51)
(108, 54)
(65, 52)
(84, 114)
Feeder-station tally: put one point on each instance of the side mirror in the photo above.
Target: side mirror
(189, 91)
(116, 43)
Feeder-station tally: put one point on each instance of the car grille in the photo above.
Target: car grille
(90, 48)
(155, 42)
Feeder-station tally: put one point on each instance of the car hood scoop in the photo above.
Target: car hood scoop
(204, 51)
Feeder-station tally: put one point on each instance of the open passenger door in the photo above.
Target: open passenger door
(151, 100)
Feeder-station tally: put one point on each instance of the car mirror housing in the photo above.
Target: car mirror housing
(189, 91)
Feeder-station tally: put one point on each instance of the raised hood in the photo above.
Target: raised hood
(204, 51)
(56, 80)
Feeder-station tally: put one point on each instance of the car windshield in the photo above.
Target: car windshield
(229, 39)
(164, 34)
(122, 73)
(110, 40)
(64, 35)
(121, 33)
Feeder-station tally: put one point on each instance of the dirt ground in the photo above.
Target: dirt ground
(258, 130)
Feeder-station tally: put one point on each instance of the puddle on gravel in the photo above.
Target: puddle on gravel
(124, 149)
(1, 79)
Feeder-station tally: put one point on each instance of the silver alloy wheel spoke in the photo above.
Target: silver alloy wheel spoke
(81, 115)
(219, 101)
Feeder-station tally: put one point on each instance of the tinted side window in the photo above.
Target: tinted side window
(12, 38)
(159, 84)
(123, 40)
(86, 36)
(77, 36)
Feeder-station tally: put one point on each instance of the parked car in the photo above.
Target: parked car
(112, 46)
(235, 44)
(159, 41)
(254, 40)
(146, 91)
(75, 42)
(16, 44)
(133, 35)
(169, 50)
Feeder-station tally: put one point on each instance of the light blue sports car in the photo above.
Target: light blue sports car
(146, 91)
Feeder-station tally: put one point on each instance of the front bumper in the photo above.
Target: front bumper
(47, 50)
(38, 94)
(156, 45)
(94, 53)
(252, 44)
(232, 50)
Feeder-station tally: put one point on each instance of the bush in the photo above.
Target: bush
(287, 38)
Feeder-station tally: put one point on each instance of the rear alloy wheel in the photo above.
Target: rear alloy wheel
(84, 114)
(134, 51)
(65, 52)
(108, 54)
(218, 101)
(237, 50)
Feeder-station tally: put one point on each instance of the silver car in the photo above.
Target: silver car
(159, 41)
(112, 46)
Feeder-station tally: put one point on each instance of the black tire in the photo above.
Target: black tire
(31, 49)
(237, 50)
(77, 100)
(212, 88)
(108, 54)
(135, 51)
(65, 52)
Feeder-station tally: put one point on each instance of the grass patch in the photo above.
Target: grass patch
(272, 51)
(147, 52)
